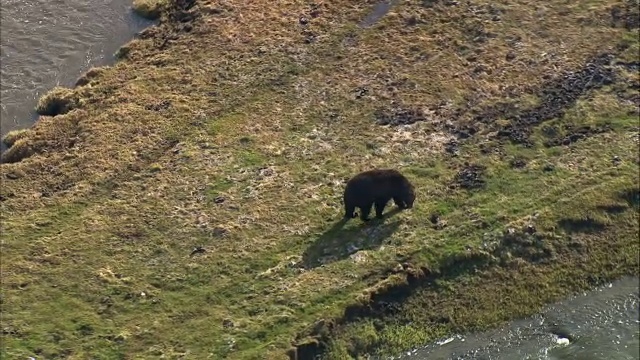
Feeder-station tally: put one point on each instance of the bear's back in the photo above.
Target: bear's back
(382, 182)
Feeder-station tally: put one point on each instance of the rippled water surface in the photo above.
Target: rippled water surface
(598, 325)
(44, 43)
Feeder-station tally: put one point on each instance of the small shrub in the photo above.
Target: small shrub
(91, 74)
(21, 149)
(148, 9)
(123, 51)
(13, 136)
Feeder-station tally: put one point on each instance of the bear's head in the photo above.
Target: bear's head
(409, 195)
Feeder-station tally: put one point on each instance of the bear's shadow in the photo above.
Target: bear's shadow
(337, 243)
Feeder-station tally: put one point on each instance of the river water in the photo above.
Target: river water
(44, 43)
(599, 325)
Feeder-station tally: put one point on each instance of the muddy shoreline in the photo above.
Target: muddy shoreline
(508, 252)
(574, 327)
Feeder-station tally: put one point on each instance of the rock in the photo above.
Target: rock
(441, 224)
(452, 147)
(616, 160)
(219, 199)
(360, 92)
(220, 231)
(434, 218)
(12, 176)
(227, 323)
(266, 171)
(518, 163)
(309, 37)
(197, 250)
(530, 229)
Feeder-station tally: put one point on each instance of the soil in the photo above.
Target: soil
(575, 134)
(398, 115)
(626, 15)
(556, 96)
(518, 163)
(470, 177)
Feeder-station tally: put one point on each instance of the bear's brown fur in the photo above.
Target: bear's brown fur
(377, 187)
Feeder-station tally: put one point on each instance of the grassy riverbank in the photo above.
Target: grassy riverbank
(186, 200)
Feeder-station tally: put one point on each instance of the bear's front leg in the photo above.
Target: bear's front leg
(366, 209)
(380, 205)
(399, 202)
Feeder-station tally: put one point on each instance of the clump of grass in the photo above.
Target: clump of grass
(57, 101)
(13, 136)
(155, 167)
(124, 50)
(20, 149)
(149, 9)
(90, 75)
(47, 134)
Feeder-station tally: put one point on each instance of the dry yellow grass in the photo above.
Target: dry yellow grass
(13, 136)
(233, 130)
(149, 9)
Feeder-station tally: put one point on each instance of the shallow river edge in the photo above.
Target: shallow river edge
(519, 271)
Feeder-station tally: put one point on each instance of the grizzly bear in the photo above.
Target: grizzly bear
(377, 187)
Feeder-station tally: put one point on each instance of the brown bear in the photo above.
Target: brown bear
(377, 187)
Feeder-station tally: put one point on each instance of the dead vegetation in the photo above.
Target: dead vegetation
(149, 9)
(13, 136)
(196, 184)
(58, 101)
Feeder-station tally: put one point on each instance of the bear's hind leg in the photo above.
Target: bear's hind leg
(349, 211)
